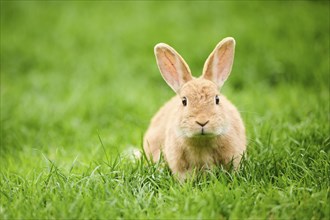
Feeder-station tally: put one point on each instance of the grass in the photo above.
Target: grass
(79, 85)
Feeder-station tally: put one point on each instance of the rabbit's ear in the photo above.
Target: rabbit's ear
(218, 65)
(173, 68)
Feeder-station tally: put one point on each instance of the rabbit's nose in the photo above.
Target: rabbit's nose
(202, 124)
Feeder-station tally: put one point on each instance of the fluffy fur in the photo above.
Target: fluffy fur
(199, 127)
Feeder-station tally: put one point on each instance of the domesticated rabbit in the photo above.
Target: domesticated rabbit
(199, 127)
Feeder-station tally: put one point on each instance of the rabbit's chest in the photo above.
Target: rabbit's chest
(200, 158)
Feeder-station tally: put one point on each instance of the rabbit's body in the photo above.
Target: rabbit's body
(198, 128)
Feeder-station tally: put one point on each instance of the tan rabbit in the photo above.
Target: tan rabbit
(199, 127)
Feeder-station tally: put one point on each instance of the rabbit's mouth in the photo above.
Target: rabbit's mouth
(201, 132)
(204, 133)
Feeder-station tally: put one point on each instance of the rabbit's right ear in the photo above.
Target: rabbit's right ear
(172, 66)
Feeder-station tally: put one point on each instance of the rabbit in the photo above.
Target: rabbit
(199, 127)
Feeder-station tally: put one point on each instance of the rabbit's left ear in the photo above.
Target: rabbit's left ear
(218, 65)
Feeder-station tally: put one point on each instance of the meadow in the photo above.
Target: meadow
(79, 84)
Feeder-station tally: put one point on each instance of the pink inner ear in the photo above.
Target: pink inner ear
(224, 63)
(208, 71)
(167, 65)
(170, 65)
(168, 68)
(219, 63)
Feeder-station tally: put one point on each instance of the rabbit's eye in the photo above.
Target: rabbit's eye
(217, 99)
(184, 101)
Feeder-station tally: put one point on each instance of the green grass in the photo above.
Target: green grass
(79, 84)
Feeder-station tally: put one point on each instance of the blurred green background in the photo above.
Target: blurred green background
(73, 70)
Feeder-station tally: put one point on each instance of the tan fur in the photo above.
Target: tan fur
(175, 131)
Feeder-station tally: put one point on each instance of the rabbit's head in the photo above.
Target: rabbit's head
(200, 110)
